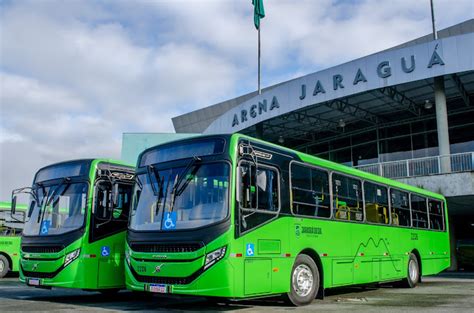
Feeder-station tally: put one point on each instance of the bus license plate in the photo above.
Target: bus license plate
(158, 288)
(33, 282)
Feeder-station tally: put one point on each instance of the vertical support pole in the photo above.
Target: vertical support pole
(259, 90)
(442, 124)
(259, 130)
(435, 33)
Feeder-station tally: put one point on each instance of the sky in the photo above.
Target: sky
(75, 75)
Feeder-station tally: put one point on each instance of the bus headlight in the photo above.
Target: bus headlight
(127, 257)
(214, 256)
(71, 256)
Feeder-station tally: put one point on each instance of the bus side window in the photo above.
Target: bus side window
(108, 220)
(376, 203)
(419, 214)
(347, 201)
(400, 208)
(259, 188)
(435, 209)
(310, 191)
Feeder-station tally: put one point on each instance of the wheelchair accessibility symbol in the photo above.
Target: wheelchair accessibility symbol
(45, 227)
(169, 222)
(105, 251)
(249, 251)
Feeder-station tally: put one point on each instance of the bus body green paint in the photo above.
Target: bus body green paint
(259, 257)
(91, 255)
(10, 233)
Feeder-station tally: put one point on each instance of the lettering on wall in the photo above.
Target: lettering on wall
(383, 70)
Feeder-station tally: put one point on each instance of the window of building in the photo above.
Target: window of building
(310, 191)
(419, 214)
(400, 208)
(376, 203)
(347, 198)
(435, 209)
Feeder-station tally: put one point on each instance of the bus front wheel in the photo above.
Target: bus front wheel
(413, 272)
(304, 281)
(4, 266)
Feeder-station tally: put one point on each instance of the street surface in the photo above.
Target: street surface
(452, 292)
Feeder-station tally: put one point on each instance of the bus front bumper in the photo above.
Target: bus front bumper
(216, 281)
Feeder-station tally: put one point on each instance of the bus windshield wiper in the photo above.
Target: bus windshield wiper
(49, 197)
(158, 189)
(177, 188)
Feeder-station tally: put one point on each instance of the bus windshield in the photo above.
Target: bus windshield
(57, 209)
(181, 197)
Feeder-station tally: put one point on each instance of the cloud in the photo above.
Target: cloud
(75, 75)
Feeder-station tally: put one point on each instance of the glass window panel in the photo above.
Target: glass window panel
(310, 191)
(376, 203)
(400, 208)
(435, 209)
(419, 214)
(347, 198)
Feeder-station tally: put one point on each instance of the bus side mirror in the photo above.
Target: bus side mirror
(115, 195)
(13, 208)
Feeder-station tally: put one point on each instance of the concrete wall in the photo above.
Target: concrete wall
(449, 185)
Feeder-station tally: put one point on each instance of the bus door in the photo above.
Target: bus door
(109, 222)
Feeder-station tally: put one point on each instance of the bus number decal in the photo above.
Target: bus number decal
(414, 236)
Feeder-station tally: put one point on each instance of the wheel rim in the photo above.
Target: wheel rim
(2, 266)
(413, 270)
(302, 280)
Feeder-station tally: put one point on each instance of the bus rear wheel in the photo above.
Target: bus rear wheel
(413, 272)
(4, 266)
(304, 281)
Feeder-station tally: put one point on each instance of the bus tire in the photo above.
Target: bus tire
(413, 272)
(304, 281)
(4, 266)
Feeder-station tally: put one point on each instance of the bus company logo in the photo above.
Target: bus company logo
(158, 268)
(34, 267)
(414, 236)
(159, 256)
(312, 230)
(297, 230)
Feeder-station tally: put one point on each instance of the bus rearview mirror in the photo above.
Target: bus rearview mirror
(115, 194)
(13, 207)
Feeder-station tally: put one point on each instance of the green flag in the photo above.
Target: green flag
(258, 12)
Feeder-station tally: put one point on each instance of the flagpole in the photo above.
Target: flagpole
(259, 90)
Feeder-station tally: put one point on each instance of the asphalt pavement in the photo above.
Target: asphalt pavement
(449, 292)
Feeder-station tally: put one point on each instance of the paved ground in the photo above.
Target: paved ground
(444, 293)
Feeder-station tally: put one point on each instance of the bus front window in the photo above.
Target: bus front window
(58, 209)
(181, 198)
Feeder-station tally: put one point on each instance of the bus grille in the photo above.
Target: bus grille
(41, 274)
(41, 249)
(167, 247)
(166, 280)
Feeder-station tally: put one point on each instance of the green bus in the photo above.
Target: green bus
(235, 217)
(76, 223)
(11, 228)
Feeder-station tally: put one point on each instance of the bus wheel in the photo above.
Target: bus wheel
(4, 266)
(304, 281)
(413, 272)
